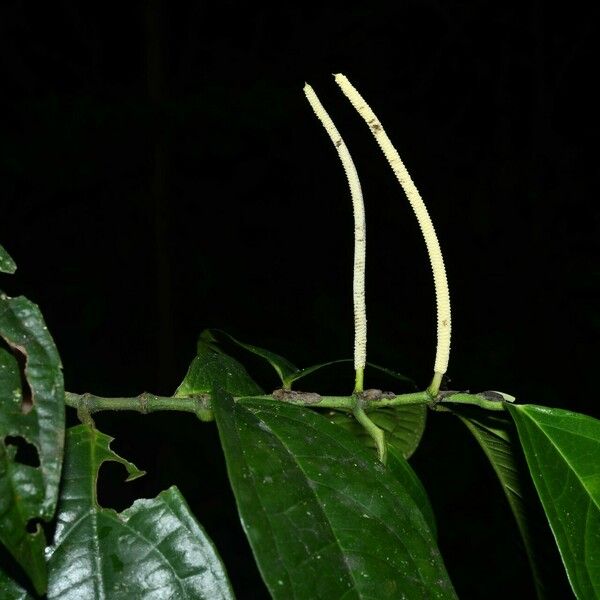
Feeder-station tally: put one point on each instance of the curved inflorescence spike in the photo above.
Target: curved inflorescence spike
(433, 247)
(360, 314)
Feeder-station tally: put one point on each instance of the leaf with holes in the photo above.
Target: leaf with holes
(325, 519)
(7, 264)
(562, 449)
(153, 550)
(32, 416)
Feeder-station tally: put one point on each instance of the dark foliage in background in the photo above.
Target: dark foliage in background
(160, 173)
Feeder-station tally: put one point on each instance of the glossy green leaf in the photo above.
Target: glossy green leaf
(283, 367)
(31, 414)
(153, 550)
(212, 367)
(287, 371)
(7, 264)
(21, 486)
(563, 453)
(9, 590)
(404, 473)
(325, 519)
(403, 426)
(497, 436)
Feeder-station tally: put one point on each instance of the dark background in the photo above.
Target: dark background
(161, 172)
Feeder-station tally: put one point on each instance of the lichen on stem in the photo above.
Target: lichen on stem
(200, 404)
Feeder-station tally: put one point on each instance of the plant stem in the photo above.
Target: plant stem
(200, 404)
(434, 386)
(359, 381)
(375, 432)
(144, 403)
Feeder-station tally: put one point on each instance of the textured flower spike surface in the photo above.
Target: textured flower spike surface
(433, 246)
(431, 241)
(360, 246)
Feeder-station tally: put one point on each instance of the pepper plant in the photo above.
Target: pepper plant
(325, 493)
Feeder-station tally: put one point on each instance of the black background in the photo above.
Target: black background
(161, 172)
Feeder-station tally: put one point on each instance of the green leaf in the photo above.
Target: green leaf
(9, 590)
(497, 436)
(283, 367)
(7, 264)
(212, 367)
(287, 372)
(324, 518)
(403, 426)
(562, 449)
(309, 370)
(154, 549)
(404, 473)
(35, 414)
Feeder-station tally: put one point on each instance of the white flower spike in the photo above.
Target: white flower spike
(360, 312)
(433, 247)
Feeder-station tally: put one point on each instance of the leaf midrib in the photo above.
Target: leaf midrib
(374, 517)
(565, 459)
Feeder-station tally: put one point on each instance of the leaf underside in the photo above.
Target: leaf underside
(403, 426)
(324, 518)
(496, 434)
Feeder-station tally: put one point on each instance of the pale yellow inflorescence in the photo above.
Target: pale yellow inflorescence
(433, 247)
(360, 312)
